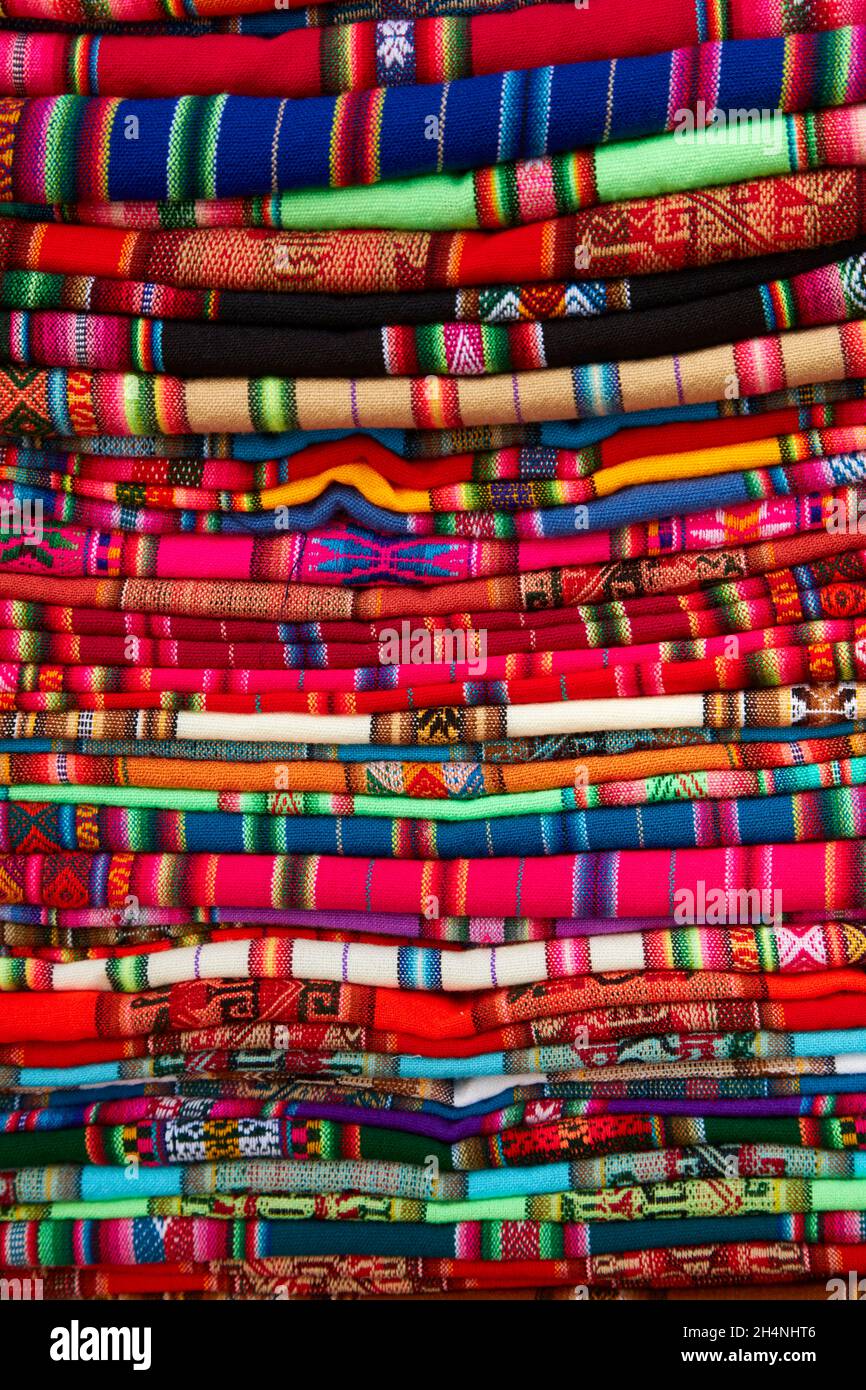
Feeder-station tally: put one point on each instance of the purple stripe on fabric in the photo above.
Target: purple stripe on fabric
(679, 380)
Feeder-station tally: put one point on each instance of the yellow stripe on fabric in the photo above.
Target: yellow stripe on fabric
(696, 463)
(357, 475)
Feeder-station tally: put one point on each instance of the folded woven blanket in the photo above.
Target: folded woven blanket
(467, 796)
(507, 648)
(392, 52)
(318, 1044)
(402, 766)
(680, 18)
(56, 1109)
(776, 975)
(58, 1128)
(309, 1043)
(454, 1110)
(812, 877)
(609, 1066)
(244, 717)
(397, 1176)
(85, 13)
(421, 1096)
(775, 1264)
(163, 928)
(594, 769)
(701, 1199)
(793, 212)
(424, 969)
(67, 1183)
(796, 408)
(119, 1241)
(598, 1148)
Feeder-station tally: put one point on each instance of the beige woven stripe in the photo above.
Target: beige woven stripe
(810, 356)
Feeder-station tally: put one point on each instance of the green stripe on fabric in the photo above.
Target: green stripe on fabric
(182, 142)
(692, 159)
(272, 403)
(432, 202)
(207, 145)
(60, 175)
(833, 66)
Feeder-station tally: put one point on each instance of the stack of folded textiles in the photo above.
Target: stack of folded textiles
(432, 646)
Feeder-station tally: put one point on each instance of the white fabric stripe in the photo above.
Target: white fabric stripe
(588, 716)
(355, 963)
(283, 728)
(620, 952)
(474, 1088)
(330, 960)
(571, 716)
